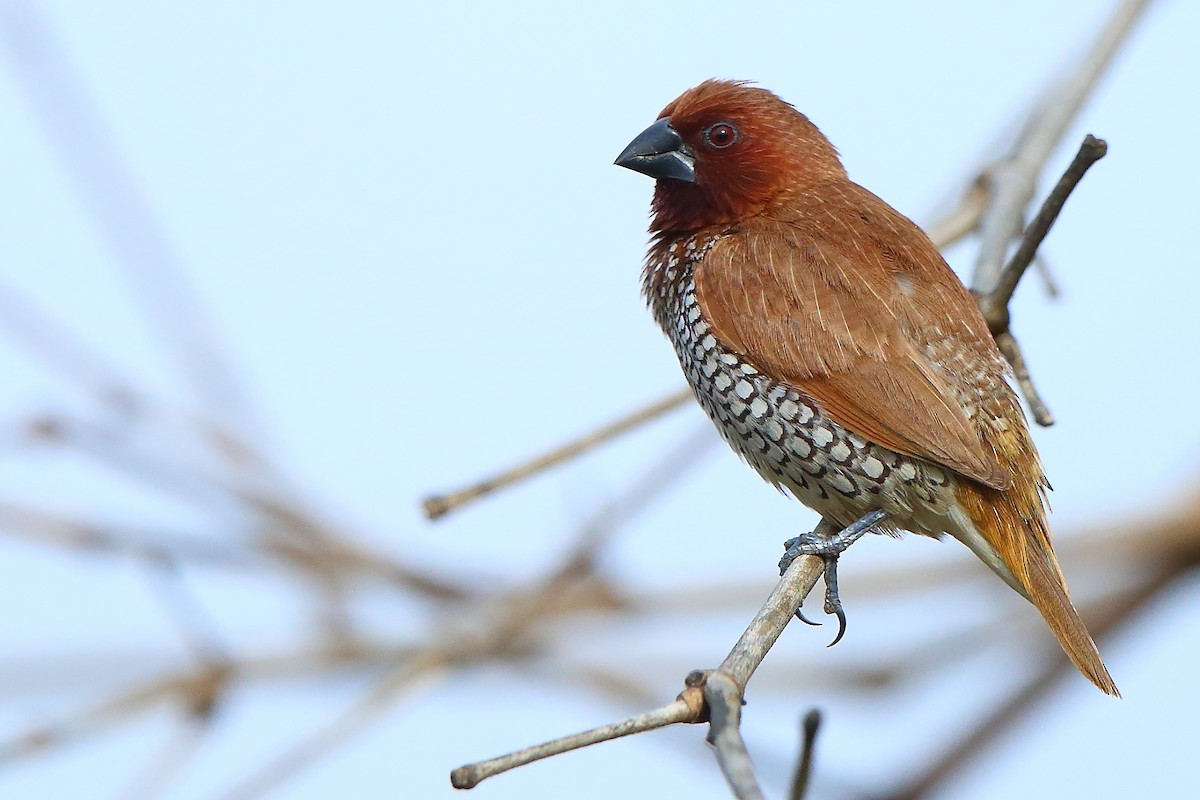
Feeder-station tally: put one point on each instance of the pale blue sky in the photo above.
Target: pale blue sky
(405, 225)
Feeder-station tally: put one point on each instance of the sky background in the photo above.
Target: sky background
(403, 223)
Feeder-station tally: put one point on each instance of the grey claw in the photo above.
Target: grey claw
(841, 618)
(829, 548)
(800, 616)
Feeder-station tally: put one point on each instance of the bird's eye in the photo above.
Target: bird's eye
(721, 135)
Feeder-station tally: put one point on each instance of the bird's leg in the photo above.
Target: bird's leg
(827, 542)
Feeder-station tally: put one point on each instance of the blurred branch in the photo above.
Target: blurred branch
(1012, 180)
(54, 528)
(169, 760)
(439, 505)
(927, 783)
(809, 728)
(994, 305)
(75, 127)
(65, 353)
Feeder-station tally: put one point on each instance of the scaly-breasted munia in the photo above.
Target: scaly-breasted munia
(833, 347)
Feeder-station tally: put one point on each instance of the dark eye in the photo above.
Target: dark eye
(721, 135)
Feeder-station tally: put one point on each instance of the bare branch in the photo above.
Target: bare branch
(800, 781)
(53, 528)
(721, 689)
(994, 305)
(91, 155)
(1007, 344)
(439, 505)
(724, 700)
(1014, 177)
(65, 353)
(680, 710)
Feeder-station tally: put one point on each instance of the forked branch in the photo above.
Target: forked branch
(714, 696)
(994, 304)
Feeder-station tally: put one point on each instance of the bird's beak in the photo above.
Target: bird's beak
(659, 152)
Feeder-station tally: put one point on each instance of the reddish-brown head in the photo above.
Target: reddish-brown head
(724, 151)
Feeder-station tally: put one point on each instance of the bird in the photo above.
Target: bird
(836, 351)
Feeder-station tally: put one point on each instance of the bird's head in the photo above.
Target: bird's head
(723, 151)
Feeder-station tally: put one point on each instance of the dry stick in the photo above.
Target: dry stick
(52, 528)
(196, 627)
(1006, 343)
(692, 703)
(810, 726)
(994, 305)
(1049, 282)
(523, 610)
(724, 700)
(722, 691)
(77, 132)
(1014, 178)
(681, 710)
(369, 707)
(174, 754)
(65, 353)
(311, 546)
(440, 505)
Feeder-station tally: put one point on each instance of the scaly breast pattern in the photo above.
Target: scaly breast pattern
(778, 429)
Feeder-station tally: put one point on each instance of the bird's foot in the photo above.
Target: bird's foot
(827, 542)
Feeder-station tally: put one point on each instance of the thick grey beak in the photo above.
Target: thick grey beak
(659, 152)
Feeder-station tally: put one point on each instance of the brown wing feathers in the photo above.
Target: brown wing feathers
(784, 301)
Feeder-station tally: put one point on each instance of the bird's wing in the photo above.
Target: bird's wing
(796, 301)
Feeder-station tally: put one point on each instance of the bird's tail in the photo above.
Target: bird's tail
(1008, 530)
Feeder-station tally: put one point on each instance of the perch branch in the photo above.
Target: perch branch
(721, 691)
(694, 702)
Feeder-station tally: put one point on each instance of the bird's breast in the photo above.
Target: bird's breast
(777, 428)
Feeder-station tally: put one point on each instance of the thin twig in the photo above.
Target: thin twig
(1049, 282)
(1006, 343)
(439, 505)
(368, 708)
(809, 728)
(65, 353)
(994, 305)
(1013, 178)
(691, 705)
(196, 627)
(114, 539)
(173, 755)
(82, 140)
(680, 710)
(722, 690)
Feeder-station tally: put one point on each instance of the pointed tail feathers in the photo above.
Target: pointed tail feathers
(1048, 592)
(1015, 543)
